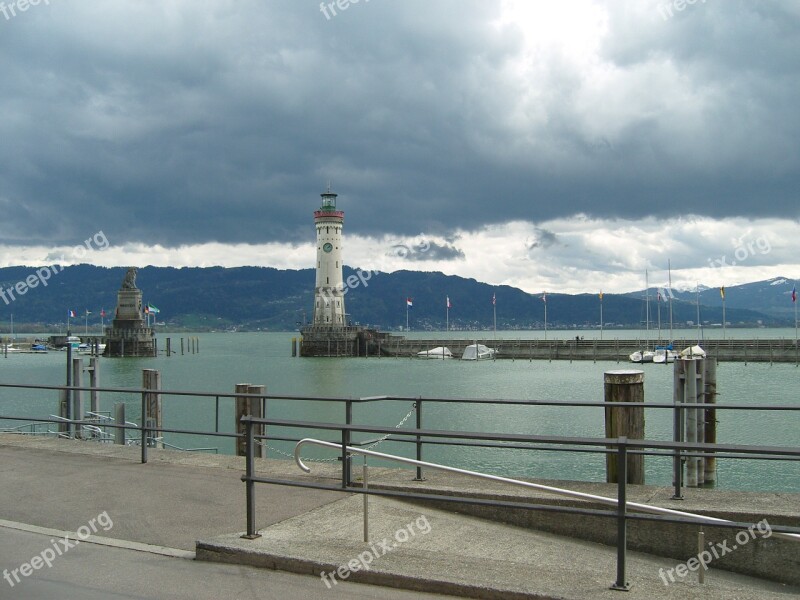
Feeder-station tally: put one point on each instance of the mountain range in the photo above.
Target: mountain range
(263, 298)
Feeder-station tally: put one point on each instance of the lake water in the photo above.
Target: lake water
(226, 359)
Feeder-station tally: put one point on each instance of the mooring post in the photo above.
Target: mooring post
(701, 417)
(711, 419)
(677, 426)
(258, 408)
(119, 419)
(151, 380)
(169, 347)
(294, 347)
(181, 346)
(242, 410)
(625, 421)
(690, 397)
(77, 397)
(94, 382)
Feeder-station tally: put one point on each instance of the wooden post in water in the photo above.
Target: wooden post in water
(628, 421)
(151, 380)
(711, 419)
(701, 417)
(169, 347)
(247, 406)
(119, 419)
(77, 396)
(294, 347)
(181, 346)
(94, 382)
(690, 397)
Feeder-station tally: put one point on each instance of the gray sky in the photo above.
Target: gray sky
(550, 145)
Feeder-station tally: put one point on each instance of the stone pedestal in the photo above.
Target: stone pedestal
(129, 334)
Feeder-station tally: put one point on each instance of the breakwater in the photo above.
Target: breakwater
(781, 350)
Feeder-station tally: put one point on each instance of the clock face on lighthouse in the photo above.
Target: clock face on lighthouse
(327, 247)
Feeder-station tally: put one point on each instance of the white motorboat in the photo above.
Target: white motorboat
(664, 354)
(478, 352)
(438, 353)
(642, 356)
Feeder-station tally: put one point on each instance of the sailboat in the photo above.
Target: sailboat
(645, 355)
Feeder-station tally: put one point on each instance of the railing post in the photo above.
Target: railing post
(418, 405)
(144, 427)
(348, 419)
(249, 471)
(621, 583)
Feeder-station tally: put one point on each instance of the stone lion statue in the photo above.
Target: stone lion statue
(129, 283)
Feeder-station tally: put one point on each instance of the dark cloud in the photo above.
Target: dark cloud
(542, 238)
(187, 121)
(426, 250)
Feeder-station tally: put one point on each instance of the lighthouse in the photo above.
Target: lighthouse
(329, 287)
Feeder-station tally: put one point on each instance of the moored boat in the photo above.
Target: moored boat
(478, 352)
(438, 353)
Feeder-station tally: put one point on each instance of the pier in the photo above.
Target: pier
(730, 350)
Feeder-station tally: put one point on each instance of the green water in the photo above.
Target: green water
(226, 359)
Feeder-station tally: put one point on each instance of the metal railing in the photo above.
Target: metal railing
(621, 447)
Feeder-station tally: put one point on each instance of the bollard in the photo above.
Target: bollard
(249, 407)
(690, 397)
(119, 419)
(710, 469)
(77, 397)
(151, 380)
(625, 421)
(94, 382)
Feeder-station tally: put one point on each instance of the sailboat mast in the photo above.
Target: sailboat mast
(669, 291)
(647, 308)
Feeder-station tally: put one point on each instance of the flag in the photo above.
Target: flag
(152, 309)
(794, 293)
(601, 295)
(72, 314)
(88, 312)
(494, 299)
(103, 312)
(146, 309)
(722, 292)
(658, 296)
(409, 302)
(544, 297)
(448, 303)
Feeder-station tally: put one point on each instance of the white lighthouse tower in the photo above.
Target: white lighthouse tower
(328, 296)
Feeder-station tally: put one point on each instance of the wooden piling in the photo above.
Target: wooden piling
(151, 380)
(119, 419)
(625, 386)
(181, 346)
(94, 382)
(169, 347)
(248, 406)
(690, 396)
(711, 419)
(77, 396)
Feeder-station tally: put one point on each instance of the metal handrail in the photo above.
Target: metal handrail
(701, 519)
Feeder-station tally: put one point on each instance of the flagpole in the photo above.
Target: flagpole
(544, 299)
(669, 283)
(86, 323)
(494, 310)
(406, 313)
(601, 314)
(447, 317)
(724, 326)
